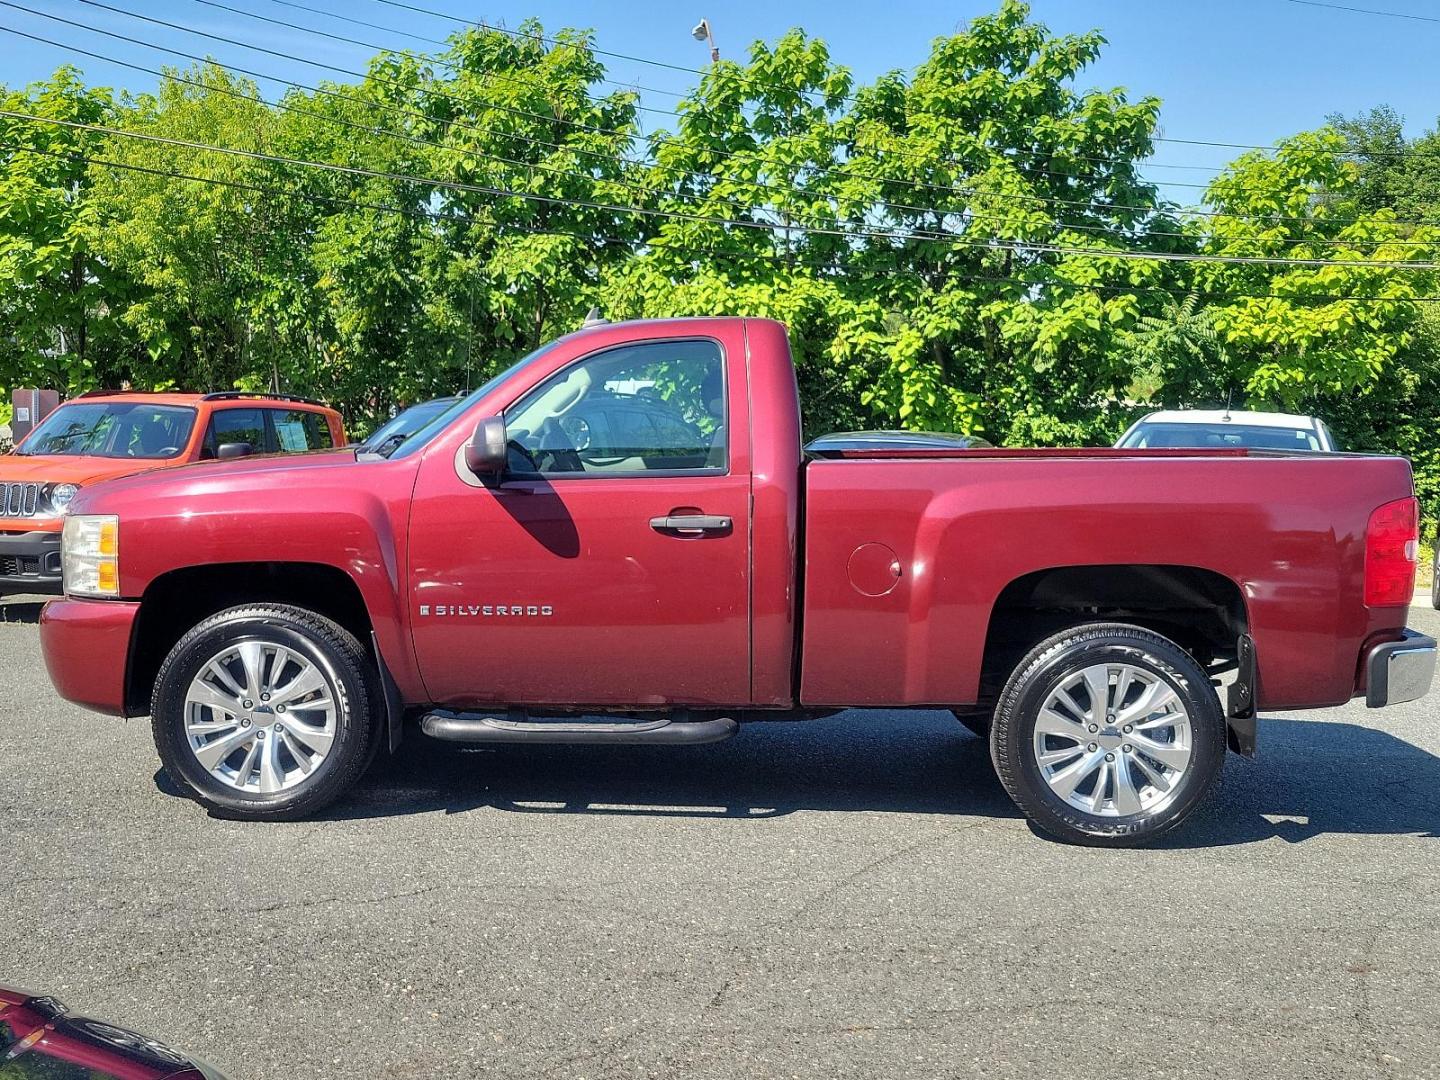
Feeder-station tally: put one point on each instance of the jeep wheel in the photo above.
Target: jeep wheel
(1108, 734)
(265, 713)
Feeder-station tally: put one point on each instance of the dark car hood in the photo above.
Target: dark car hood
(42, 1029)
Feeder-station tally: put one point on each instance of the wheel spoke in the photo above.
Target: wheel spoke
(1158, 695)
(1063, 696)
(1127, 798)
(298, 752)
(217, 750)
(1098, 792)
(1050, 722)
(1124, 679)
(1066, 780)
(1168, 754)
(221, 674)
(219, 701)
(316, 740)
(307, 682)
(1055, 757)
(1097, 684)
(242, 775)
(272, 776)
(1160, 780)
(252, 658)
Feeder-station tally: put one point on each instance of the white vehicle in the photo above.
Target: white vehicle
(1225, 427)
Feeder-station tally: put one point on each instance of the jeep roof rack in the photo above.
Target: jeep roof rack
(235, 395)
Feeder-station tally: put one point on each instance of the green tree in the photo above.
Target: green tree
(55, 293)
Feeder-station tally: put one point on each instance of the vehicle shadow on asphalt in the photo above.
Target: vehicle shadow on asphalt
(1311, 778)
(20, 611)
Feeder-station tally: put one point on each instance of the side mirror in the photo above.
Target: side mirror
(487, 452)
(234, 450)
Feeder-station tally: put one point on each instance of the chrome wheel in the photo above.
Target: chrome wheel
(1113, 740)
(260, 717)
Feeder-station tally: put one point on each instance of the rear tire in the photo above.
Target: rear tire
(1118, 765)
(266, 712)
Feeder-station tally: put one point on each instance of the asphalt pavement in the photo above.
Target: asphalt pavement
(852, 897)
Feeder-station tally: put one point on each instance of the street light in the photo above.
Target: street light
(702, 32)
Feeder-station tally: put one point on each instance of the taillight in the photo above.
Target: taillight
(1392, 548)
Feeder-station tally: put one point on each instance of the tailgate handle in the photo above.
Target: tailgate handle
(691, 523)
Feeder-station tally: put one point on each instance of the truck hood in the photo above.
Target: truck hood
(287, 469)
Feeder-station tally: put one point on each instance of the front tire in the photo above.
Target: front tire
(1108, 735)
(266, 712)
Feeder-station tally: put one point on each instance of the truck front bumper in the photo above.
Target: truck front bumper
(1399, 671)
(29, 562)
(86, 644)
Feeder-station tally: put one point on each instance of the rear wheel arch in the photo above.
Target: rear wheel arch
(1199, 609)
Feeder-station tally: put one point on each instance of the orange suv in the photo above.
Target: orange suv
(106, 434)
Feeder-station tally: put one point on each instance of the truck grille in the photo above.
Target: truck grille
(19, 499)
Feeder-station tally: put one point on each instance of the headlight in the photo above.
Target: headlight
(90, 555)
(61, 494)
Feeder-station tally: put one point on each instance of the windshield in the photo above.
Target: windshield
(417, 442)
(388, 437)
(113, 429)
(1221, 436)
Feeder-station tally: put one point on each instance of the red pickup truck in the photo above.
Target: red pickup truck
(621, 540)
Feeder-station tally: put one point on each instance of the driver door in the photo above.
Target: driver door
(611, 566)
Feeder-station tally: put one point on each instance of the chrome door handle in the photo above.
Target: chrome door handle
(691, 523)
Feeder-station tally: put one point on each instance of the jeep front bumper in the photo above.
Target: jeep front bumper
(29, 562)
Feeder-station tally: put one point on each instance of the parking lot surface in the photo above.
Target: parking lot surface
(852, 897)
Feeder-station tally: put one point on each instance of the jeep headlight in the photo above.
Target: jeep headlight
(60, 496)
(90, 555)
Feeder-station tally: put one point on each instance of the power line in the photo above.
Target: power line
(857, 234)
(560, 42)
(717, 73)
(217, 4)
(415, 140)
(972, 216)
(1366, 11)
(574, 124)
(708, 254)
(1090, 205)
(377, 48)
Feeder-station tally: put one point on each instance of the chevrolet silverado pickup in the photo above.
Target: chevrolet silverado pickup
(621, 540)
(105, 434)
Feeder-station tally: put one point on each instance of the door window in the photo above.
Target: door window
(657, 407)
(297, 431)
(236, 426)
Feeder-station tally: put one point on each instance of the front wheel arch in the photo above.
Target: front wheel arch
(180, 599)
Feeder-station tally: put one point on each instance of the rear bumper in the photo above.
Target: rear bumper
(29, 562)
(87, 648)
(1399, 671)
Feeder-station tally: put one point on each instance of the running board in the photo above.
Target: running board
(480, 728)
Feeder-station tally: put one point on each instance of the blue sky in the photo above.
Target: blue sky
(1248, 71)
